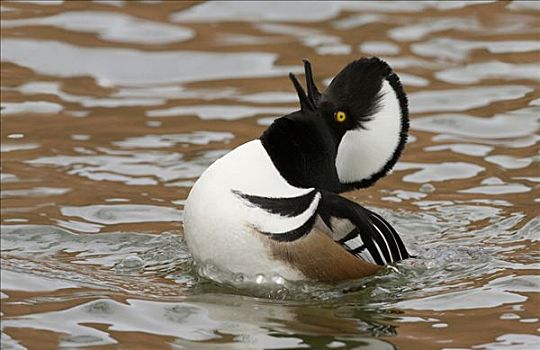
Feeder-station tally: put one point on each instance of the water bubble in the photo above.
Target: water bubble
(260, 279)
(131, 263)
(427, 188)
(239, 278)
(278, 280)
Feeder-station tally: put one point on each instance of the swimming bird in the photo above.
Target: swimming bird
(272, 206)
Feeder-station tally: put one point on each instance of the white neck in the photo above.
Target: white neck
(364, 152)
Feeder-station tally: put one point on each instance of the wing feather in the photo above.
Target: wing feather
(285, 218)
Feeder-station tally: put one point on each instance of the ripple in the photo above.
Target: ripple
(512, 342)
(10, 147)
(104, 249)
(170, 140)
(410, 62)
(322, 42)
(115, 27)
(53, 88)
(290, 11)
(510, 162)
(356, 21)
(132, 167)
(225, 39)
(79, 226)
(530, 230)
(527, 178)
(125, 96)
(28, 107)
(416, 6)
(439, 172)
(503, 126)
(514, 283)
(334, 49)
(476, 72)
(467, 149)
(498, 189)
(7, 178)
(463, 99)
(129, 67)
(40, 2)
(173, 92)
(27, 282)
(185, 321)
(4, 9)
(519, 142)
(419, 31)
(412, 80)
(226, 112)
(457, 49)
(379, 48)
(269, 97)
(523, 5)
(400, 195)
(34, 192)
(124, 213)
(471, 299)
(406, 80)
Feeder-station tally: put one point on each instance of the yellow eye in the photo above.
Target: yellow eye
(340, 116)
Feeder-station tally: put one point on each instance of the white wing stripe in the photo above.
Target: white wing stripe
(276, 224)
(391, 234)
(385, 242)
(380, 252)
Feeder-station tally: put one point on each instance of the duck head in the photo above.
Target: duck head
(346, 137)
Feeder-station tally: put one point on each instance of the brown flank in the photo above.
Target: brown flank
(318, 257)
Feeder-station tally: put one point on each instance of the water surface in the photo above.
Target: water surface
(112, 109)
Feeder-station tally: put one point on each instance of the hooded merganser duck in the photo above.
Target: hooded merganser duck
(272, 205)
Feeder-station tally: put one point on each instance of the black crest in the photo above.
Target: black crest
(303, 145)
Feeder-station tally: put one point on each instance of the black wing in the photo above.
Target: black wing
(370, 237)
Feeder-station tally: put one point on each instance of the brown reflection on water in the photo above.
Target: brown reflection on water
(458, 329)
(105, 127)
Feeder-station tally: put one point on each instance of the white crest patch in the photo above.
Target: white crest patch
(363, 152)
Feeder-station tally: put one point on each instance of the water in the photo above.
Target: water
(111, 110)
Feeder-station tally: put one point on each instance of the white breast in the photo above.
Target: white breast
(218, 225)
